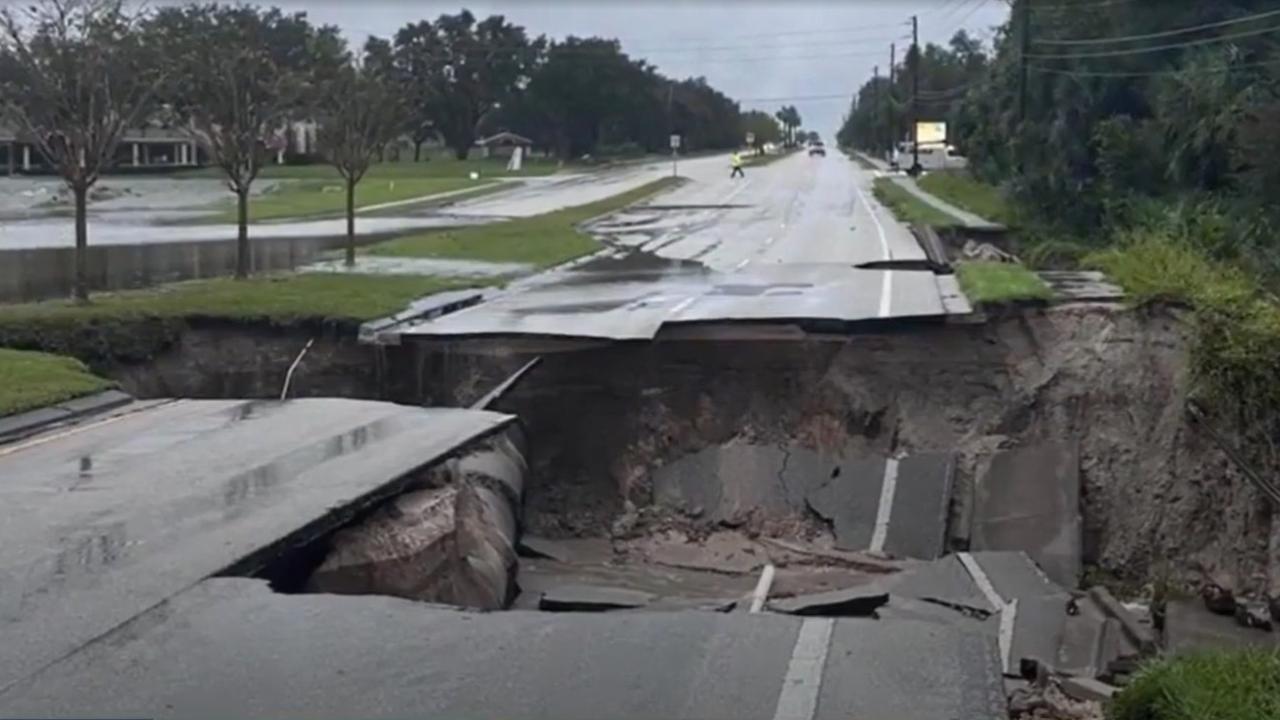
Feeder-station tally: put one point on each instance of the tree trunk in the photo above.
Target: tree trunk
(242, 233)
(351, 223)
(462, 151)
(80, 285)
(417, 150)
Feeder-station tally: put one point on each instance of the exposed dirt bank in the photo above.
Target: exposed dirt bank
(1159, 500)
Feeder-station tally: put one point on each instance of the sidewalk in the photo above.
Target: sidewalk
(966, 218)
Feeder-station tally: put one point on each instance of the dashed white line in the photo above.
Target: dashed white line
(886, 290)
(679, 308)
(742, 264)
(888, 487)
(799, 697)
(1008, 610)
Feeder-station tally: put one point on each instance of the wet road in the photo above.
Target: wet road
(103, 521)
(135, 219)
(230, 648)
(790, 242)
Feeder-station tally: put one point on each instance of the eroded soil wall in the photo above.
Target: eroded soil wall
(1159, 498)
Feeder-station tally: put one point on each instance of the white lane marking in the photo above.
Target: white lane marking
(761, 593)
(799, 697)
(679, 308)
(886, 290)
(888, 487)
(1008, 615)
(742, 264)
(727, 198)
(768, 242)
(1008, 610)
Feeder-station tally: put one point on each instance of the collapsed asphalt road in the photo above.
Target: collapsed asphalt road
(796, 240)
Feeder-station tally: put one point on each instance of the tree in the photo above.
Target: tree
(763, 126)
(358, 115)
(789, 116)
(413, 61)
(461, 70)
(241, 75)
(74, 76)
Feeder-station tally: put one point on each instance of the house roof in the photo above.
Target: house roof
(505, 138)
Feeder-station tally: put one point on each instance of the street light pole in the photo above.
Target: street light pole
(915, 95)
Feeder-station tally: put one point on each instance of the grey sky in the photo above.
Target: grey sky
(746, 49)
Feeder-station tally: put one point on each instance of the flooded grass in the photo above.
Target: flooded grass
(30, 380)
(436, 167)
(542, 240)
(321, 198)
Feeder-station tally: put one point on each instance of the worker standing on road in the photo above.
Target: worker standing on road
(736, 161)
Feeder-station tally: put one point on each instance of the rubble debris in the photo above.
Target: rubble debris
(855, 560)
(1136, 631)
(1049, 702)
(592, 598)
(453, 544)
(850, 602)
(1087, 689)
(986, 252)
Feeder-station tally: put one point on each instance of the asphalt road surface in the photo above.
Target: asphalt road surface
(800, 239)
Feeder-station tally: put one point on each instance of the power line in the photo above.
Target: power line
(1082, 6)
(1152, 36)
(1150, 73)
(1155, 48)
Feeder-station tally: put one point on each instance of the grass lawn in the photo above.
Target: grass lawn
(542, 240)
(907, 207)
(997, 282)
(30, 380)
(967, 193)
(274, 297)
(436, 167)
(313, 198)
(1223, 685)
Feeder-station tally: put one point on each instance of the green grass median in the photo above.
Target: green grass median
(908, 208)
(30, 380)
(541, 240)
(998, 282)
(967, 193)
(321, 198)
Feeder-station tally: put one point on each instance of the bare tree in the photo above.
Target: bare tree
(74, 76)
(243, 75)
(361, 112)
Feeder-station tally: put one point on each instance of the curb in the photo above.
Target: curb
(24, 425)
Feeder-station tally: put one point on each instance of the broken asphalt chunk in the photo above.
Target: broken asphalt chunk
(590, 598)
(850, 602)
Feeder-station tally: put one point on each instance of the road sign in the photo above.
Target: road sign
(751, 138)
(675, 142)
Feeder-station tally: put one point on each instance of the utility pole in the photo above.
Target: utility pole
(893, 135)
(875, 109)
(915, 95)
(1025, 42)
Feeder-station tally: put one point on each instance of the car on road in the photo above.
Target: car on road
(817, 150)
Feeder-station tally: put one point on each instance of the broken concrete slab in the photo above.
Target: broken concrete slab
(1038, 628)
(1087, 689)
(1029, 500)
(583, 551)
(849, 602)
(179, 491)
(1138, 632)
(724, 483)
(944, 581)
(850, 500)
(592, 598)
(921, 500)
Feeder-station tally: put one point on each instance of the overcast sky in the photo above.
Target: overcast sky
(761, 53)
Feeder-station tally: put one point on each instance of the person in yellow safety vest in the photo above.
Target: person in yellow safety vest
(736, 161)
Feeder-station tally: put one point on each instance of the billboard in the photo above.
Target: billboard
(931, 133)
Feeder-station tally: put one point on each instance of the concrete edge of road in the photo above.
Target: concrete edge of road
(23, 425)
